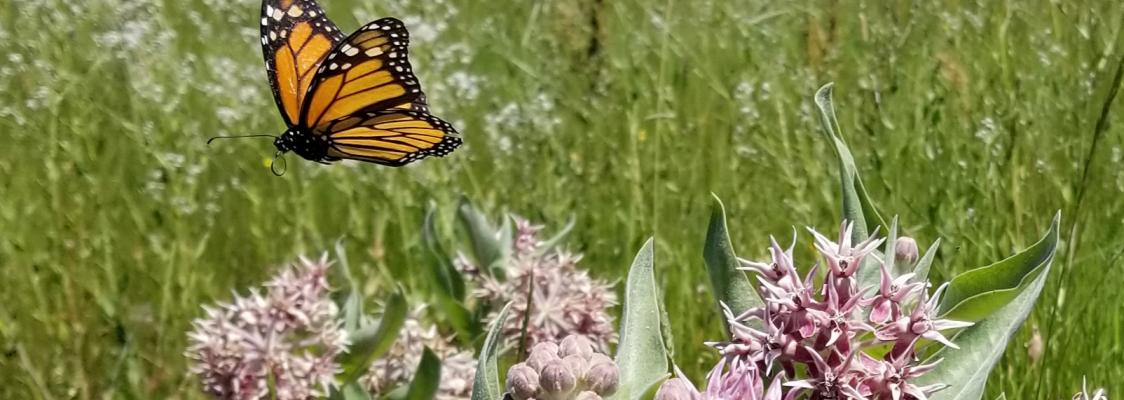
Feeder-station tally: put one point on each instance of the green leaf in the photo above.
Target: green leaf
(977, 293)
(370, 342)
(486, 384)
(890, 256)
(352, 302)
(448, 279)
(981, 345)
(731, 286)
(489, 245)
(921, 270)
(641, 356)
(427, 377)
(557, 238)
(349, 391)
(857, 206)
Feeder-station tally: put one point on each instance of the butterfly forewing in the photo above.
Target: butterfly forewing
(296, 36)
(367, 71)
(391, 137)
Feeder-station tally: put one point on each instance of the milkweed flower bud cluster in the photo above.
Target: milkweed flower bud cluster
(569, 370)
(397, 367)
(823, 331)
(565, 300)
(278, 343)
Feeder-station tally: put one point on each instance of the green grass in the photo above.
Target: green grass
(973, 121)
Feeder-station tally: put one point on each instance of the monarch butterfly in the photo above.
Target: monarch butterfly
(353, 97)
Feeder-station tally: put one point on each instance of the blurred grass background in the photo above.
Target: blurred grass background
(972, 120)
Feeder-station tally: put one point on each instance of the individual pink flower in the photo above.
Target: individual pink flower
(843, 259)
(828, 381)
(892, 380)
(922, 322)
(886, 305)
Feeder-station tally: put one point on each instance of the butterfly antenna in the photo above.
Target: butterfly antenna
(238, 137)
(273, 165)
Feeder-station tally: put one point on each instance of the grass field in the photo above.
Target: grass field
(972, 121)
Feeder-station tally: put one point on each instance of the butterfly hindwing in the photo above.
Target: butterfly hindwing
(367, 71)
(392, 137)
(296, 36)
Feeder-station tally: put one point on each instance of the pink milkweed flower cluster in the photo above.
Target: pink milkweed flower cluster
(823, 331)
(564, 299)
(278, 343)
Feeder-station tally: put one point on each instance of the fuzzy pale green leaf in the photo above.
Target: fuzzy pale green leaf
(975, 294)
(490, 246)
(981, 345)
(486, 384)
(857, 205)
(921, 270)
(641, 355)
(730, 285)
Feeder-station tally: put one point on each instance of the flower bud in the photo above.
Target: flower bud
(598, 358)
(541, 356)
(587, 395)
(575, 345)
(557, 381)
(905, 250)
(548, 347)
(602, 378)
(675, 389)
(522, 382)
(577, 365)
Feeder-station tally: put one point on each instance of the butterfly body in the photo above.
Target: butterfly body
(303, 143)
(353, 97)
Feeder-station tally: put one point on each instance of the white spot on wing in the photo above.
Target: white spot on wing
(374, 51)
(295, 11)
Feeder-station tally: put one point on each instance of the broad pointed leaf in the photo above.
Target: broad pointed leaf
(490, 246)
(641, 356)
(857, 205)
(427, 378)
(369, 342)
(981, 345)
(975, 294)
(921, 270)
(448, 279)
(486, 385)
(731, 286)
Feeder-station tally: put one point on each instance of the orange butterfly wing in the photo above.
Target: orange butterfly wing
(392, 137)
(367, 71)
(296, 37)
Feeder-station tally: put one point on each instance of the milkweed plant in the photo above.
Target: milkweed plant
(862, 321)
